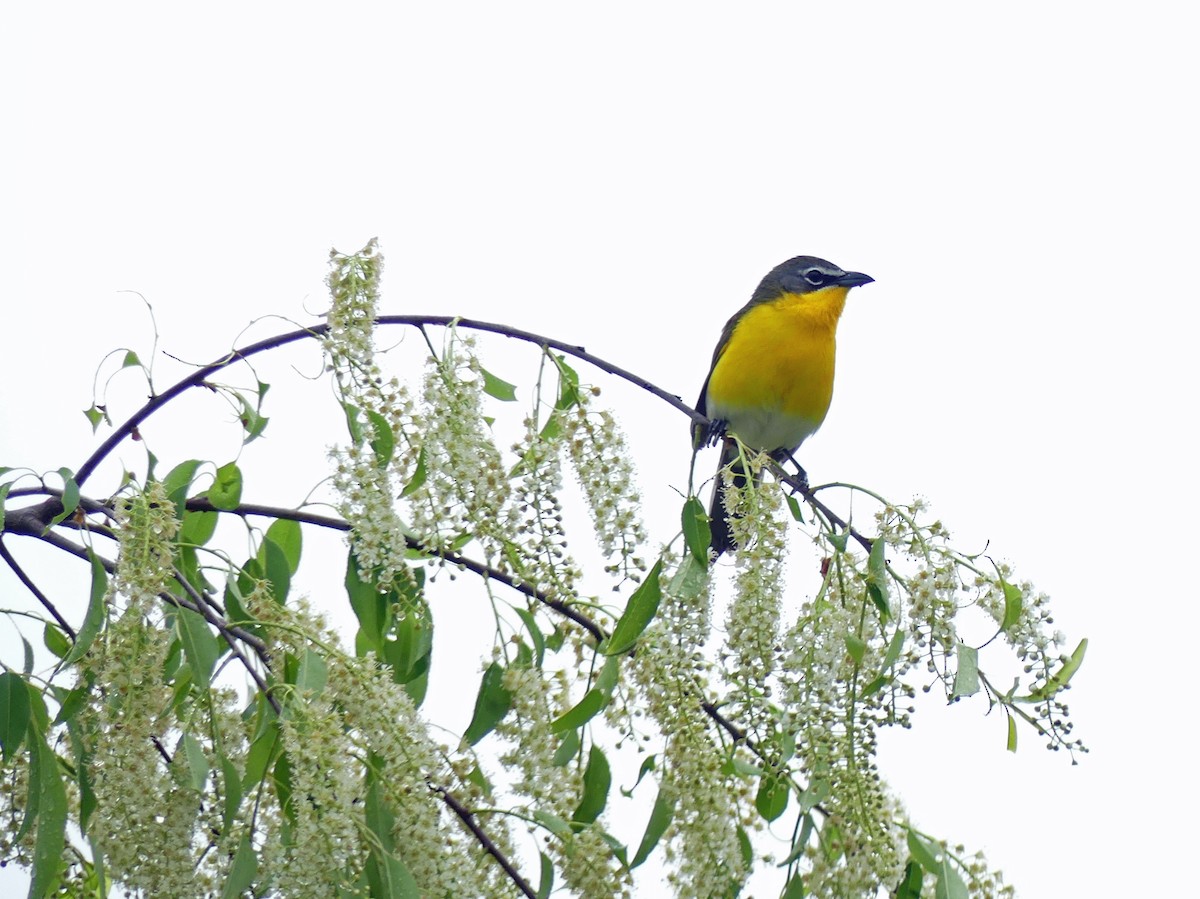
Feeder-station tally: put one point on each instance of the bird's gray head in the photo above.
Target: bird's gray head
(804, 274)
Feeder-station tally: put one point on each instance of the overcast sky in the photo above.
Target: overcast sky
(1020, 180)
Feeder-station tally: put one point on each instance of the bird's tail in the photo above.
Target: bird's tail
(722, 537)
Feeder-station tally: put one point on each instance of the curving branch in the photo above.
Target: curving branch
(201, 504)
(198, 378)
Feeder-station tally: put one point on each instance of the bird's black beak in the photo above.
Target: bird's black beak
(854, 279)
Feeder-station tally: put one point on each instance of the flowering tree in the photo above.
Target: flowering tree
(203, 730)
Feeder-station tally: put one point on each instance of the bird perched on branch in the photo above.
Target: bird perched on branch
(771, 378)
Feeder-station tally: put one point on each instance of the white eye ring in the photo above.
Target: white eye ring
(815, 277)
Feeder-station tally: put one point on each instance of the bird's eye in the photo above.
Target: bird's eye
(815, 277)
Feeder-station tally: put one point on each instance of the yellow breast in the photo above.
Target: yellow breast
(774, 378)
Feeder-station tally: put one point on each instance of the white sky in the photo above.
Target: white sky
(1021, 181)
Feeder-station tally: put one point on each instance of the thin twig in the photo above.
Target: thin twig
(467, 818)
(260, 650)
(201, 504)
(198, 378)
(33, 588)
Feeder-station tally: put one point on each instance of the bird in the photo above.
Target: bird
(771, 378)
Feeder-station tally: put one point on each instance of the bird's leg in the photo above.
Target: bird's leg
(782, 455)
(715, 431)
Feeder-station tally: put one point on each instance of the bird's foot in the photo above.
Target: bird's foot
(800, 484)
(715, 433)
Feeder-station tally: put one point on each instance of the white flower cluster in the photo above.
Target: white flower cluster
(137, 796)
(535, 517)
(601, 459)
(752, 624)
(671, 673)
(146, 528)
(466, 486)
(861, 847)
(585, 859)
(382, 456)
(354, 727)
(945, 584)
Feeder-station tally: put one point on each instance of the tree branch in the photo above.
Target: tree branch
(198, 378)
(201, 504)
(33, 588)
(467, 818)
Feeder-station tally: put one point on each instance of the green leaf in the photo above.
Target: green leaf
(56, 641)
(71, 703)
(546, 880)
(966, 679)
(233, 793)
(226, 491)
(276, 568)
(689, 579)
(95, 415)
(420, 473)
(491, 705)
(387, 875)
(498, 387)
(567, 748)
(1063, 675)
(568, 384)
(772, 797)
(263, 752)
(889, 660)
(581, 713)
(950, 883)
(554, 824)
(251, 417)
(46, 778)
(353, 424)
(70, 498)
(801, 842)
(14, 712)
(877, 577)
(648, 765)
(4, 488)
(597, 779)
(925, 853)
(286, 534)
(697, 532)
(199, 645)
(638, 614)
(411, 653)
(535, 634)
(370, 606)
(198, 527)
(818, 791)
(312, 673)
(793, 505)
(243, 870)
(383, 441)
(1013, 603)
(855, 647)
(914, 878)
(177, 482)
(746, 846)
(97, 612)
(1012, 733)
(795, 888)
(197, 762)
(131, 360)
(660, 820)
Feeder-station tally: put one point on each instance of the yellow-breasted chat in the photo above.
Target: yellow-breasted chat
(771, 379)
